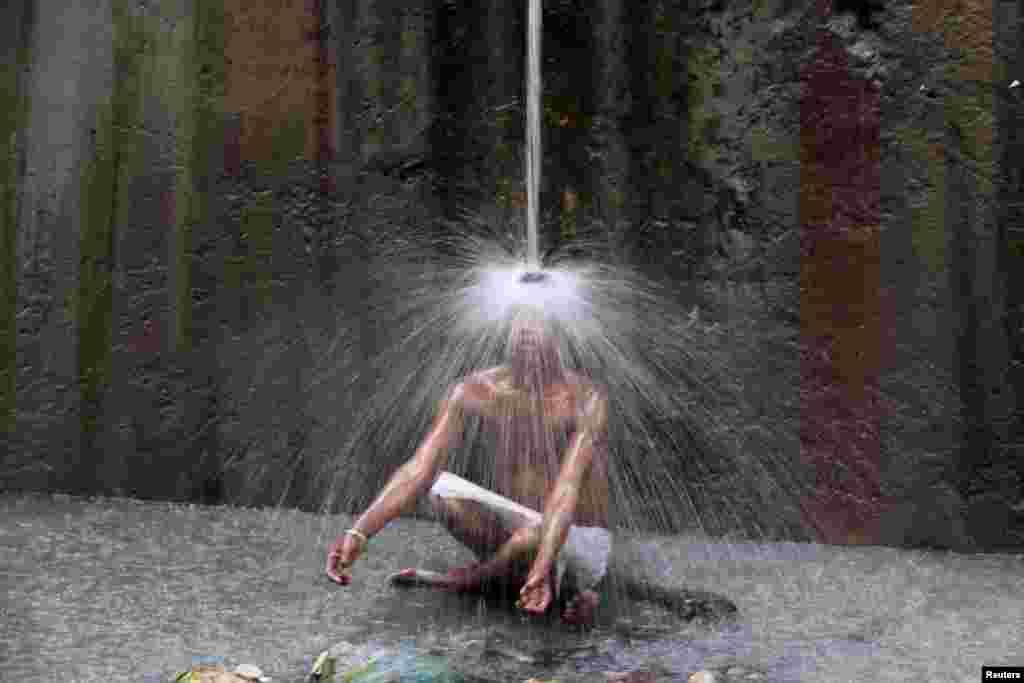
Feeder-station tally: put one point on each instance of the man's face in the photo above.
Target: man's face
(533, 352)
(528, 339)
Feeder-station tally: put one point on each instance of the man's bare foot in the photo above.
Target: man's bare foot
(415, 577)
(581, 608)
(458, 579)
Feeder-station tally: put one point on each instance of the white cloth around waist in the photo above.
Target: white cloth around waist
(586, 549)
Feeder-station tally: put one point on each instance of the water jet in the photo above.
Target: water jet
(533, 131)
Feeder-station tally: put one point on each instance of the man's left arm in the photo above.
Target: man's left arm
(560, 507)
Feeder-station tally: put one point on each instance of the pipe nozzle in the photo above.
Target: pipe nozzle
(533, 277)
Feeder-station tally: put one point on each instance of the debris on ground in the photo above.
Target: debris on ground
(217, 673)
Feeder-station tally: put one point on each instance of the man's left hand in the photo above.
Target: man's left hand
(536, 594)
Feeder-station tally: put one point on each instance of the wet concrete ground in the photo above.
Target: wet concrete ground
(113, 589)
(120, 588)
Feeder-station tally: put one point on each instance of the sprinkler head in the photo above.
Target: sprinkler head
(533, 277)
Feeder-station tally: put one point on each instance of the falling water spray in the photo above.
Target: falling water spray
(533, 146)
(443, 300)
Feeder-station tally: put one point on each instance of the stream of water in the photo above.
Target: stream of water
(533, 141)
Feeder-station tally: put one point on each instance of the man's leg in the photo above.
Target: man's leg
(582, 607)
(499, 550)
(505, 554)
(507, 562)
(471, 524)
(587, 550)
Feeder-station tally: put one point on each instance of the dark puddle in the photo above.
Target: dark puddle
(485, 638)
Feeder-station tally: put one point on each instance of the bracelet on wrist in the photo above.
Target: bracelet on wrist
(358, 534)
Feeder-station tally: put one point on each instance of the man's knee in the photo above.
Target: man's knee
(526, 538)
(444, 507)
(456, 512)
(438, 505)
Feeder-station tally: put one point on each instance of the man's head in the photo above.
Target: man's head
(533, 352)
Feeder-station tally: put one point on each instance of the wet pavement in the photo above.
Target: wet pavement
(117, 589)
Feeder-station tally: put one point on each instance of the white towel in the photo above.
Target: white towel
(585, 551)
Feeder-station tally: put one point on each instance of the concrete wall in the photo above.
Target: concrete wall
(191, 192)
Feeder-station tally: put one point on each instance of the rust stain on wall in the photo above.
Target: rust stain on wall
(841, 303)
(277, 71)
(966, 26)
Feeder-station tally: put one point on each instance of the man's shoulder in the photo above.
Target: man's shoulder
(478, 387)
(577, 380)
(483, 380)
(584, 387)
(591, 401)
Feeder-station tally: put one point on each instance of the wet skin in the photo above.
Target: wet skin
(570, 490)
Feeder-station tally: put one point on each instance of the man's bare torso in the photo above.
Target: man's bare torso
(527, 439)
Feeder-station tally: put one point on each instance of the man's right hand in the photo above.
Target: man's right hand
(341, 556)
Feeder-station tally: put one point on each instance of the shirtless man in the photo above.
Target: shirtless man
(546, 428)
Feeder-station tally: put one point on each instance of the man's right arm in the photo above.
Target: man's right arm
(412, 478)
